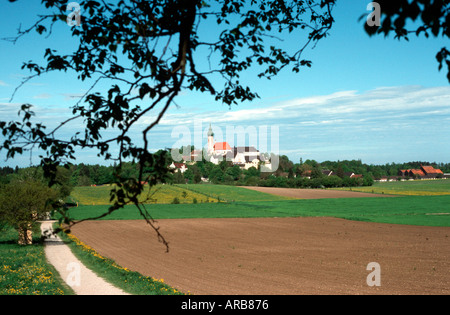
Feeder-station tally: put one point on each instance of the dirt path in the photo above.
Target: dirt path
(279, 255)
(313, 193)
(82, 280)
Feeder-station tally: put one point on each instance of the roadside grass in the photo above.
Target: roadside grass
(436, 187)
(159, 194)
(24, 270)
(129, 281)
(413, 210)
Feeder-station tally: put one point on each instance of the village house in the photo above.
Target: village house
(386, 179)
(352, 175)
(306, 174)
(178, 167)
(327, 173)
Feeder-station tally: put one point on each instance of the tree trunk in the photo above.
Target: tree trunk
(25, 235)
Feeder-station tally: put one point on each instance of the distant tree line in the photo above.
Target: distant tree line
(305, 174)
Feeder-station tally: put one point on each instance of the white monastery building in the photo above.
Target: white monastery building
(245, 157)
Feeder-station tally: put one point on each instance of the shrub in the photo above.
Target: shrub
(332, 181)
(24, 202)
(252, 181)
(368, 181)
(281, 182)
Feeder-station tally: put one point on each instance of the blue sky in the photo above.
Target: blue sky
(374, 99)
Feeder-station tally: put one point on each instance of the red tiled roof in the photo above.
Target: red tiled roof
(431, 170)
(417, 172)
(222, 146)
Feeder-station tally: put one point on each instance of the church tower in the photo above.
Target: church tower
(210, 140)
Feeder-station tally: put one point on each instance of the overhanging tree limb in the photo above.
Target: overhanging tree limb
(403, 18)
(160, 43)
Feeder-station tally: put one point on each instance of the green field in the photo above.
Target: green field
(165, 194)
(408, 188)
(231, 193)
(415, 207)
(160, 194)
(414, 210)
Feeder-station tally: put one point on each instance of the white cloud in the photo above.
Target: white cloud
(384, 103)
(71, 96)
(2, 83)
(350, 108)
(42, 96)
(8, 111)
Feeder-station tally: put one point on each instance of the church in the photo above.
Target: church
(245, 157)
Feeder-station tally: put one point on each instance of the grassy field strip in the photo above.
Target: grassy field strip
(416, 210)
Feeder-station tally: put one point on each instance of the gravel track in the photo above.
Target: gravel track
(81, 279)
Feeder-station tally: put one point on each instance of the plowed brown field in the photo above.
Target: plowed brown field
(279, 255)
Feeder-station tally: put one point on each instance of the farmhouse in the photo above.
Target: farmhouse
(423, 172)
